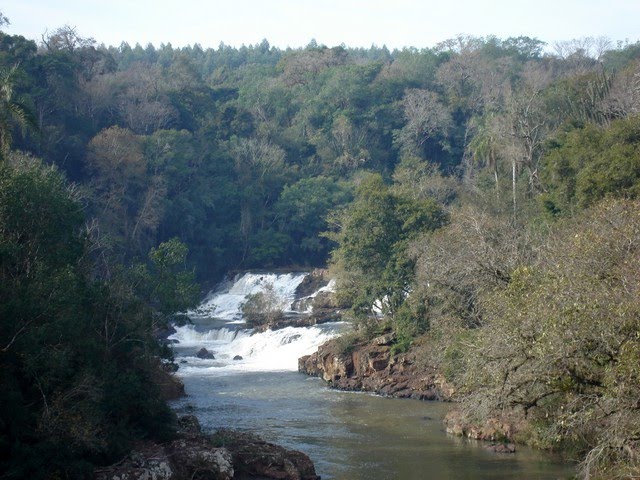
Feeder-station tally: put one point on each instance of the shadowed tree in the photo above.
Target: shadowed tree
(128, 199)
(12, 112)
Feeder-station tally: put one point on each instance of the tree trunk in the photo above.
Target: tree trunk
(513, 185)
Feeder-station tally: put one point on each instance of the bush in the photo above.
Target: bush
(263, 307)
(560, 342)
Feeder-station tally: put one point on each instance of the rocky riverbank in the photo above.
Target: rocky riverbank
(372, 367)
(223, 455)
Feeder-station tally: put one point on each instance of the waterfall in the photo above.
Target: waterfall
(226, 301)
(218, 328)
(272, 350)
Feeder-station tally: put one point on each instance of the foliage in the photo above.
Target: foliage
(474, 254)
(174, 288)
(427, 166)
(302, 210)
(218, 140)
(12, 111)
(587, 164)
(263, 307)
(77, 356)
(560, 341)
(371, 260)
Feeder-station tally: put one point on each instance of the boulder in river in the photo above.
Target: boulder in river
(253, 457)
(501, 448)
(222, 456)
(238, 357)
(205, 354)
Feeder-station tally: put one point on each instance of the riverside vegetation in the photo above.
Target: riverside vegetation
(477, 198)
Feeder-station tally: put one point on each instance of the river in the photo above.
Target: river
(347, 435)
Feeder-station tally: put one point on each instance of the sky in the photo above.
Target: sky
(294, 23)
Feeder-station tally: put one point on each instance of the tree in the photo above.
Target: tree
(141, 101)
(298, 68)
(474, 254)
(127, 199)
(263, 307)
(12, 111)
(302, 211)
(421, 180)
(587, 164)
(4, 20)
(561, 335)
(78, 362)
(174, 288)
(623, 98)
(371, 260)
(259, 165)
(426, 117)
(488, 149)
(528, 126)
(349, 143)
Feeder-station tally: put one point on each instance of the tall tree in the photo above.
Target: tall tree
(128, 199)
(260, 166)
(13, 112)
(426, 117)
(371, 260)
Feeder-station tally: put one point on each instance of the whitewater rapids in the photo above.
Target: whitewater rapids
(218, 328)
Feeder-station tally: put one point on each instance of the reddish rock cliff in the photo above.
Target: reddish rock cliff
(371, 367)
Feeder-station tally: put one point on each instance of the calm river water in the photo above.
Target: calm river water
(354, 435)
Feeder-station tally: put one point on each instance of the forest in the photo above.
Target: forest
(481, 194)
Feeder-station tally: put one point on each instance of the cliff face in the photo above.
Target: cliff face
(371, 367)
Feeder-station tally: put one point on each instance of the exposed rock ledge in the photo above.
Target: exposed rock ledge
(506, 430)
(371, 367)
(223, 455)
(318, 316)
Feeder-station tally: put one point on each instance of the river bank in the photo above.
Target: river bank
(371, 366)
(220, 455)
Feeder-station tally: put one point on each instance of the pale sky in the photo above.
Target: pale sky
(355, 23)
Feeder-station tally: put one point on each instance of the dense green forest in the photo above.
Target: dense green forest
(481, 193)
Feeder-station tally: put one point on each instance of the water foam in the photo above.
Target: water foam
(226, 302)
(216, 329)
(272, 350)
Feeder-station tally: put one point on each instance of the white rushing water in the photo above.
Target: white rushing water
(272, 350)
(218, 328)
(226, 301)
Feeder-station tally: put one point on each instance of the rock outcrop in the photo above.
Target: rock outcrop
(170, 386)
(372, 367)
(313, 282)
(181, 459)
(205, 354)
(224, 455)
(299, 320)
(253, 457)
(504, 430)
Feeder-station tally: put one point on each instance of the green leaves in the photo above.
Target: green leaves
(12, 111)
(586, 164)
(174, 287)
(560, 340)
(71, 340)
(372, 259)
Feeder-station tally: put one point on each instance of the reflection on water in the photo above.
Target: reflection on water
(353, 435)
